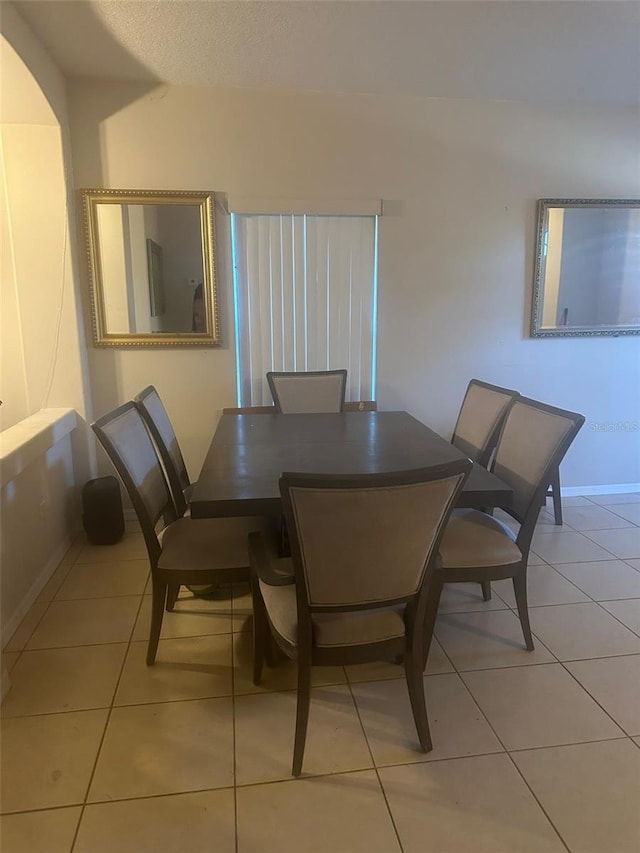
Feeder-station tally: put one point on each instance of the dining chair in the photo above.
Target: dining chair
(478, 426)
(478, 547)
(363, 549)
(480, 419)
(155, 416)
(184, 551)
(360, 406)
(476, 431)
(314, 391)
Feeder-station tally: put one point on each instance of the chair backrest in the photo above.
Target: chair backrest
(249, 410)
(360, 406)
(480, 419)
(127, 441)
(308, 392)
(369, 540)
(532, 443)
(157, 420)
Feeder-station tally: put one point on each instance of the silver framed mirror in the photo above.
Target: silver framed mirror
(587, 268)
(152, 273)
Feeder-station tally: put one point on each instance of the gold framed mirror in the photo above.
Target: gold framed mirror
(152, 274)
(587, 268)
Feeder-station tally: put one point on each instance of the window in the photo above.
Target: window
(305, 299)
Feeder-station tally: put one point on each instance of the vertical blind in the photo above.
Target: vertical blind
(305, 299)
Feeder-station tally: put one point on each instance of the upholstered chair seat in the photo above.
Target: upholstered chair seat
(474, 538)
(207, 544)
(353, 628)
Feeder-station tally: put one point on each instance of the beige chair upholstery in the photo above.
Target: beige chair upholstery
(363, 551)
(476, 539)
(481, 416)
(309, 392)
(356, 628)
(477, 547)
(157, 420)
(184, 551)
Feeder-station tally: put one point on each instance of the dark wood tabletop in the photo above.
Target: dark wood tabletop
(249, 453)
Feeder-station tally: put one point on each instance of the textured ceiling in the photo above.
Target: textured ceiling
(566, 51)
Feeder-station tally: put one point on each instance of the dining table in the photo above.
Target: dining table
(249, 452)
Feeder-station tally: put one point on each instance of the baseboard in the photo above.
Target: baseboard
(614, 489)
(11, 625)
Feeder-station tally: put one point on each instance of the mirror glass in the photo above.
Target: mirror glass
(587, 275)
(152, 270)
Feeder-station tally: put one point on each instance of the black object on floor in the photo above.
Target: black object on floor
(102, 517)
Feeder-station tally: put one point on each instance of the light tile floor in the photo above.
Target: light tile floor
(532, 751)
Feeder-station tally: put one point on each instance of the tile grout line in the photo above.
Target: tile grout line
(120, 800)
(321, 775)
(500, 741)
(545, 663)
(518, 771)
(571, 583)
(610, 508)
(577, 603)
(48, 603)
(373, 762)
(613, 615)
(557, 659)
(21, 651)
(571, 743)
(106, 726)
(588, 692)
(514, 613)
(585, 533)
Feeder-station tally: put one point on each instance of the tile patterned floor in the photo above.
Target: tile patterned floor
(534, 752)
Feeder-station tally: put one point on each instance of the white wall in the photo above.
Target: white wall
(43, 290)
(43, 350)
(460, 181)
(39, 507)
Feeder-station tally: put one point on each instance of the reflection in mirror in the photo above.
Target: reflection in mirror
(151, 267)
(587, 277)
